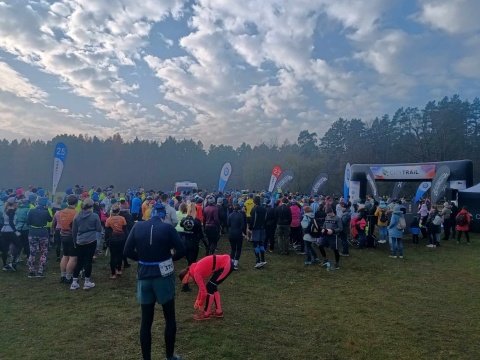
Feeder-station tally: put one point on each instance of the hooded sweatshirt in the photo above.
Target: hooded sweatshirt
(307, 217)
(393, 231)
(86, 227)
(423, 210)
(464, 227)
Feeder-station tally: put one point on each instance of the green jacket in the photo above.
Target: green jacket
(22, 215)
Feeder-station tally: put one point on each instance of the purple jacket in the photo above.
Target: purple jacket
(210, 216)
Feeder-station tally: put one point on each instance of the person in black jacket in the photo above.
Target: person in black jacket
(270, 226)
(283, 218)
(151, 243)
(129, 219)
(258, 217)
(237, 230)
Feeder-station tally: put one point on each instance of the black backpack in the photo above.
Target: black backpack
(461, 220)
(383, 216)
(314, 227)
(188, 223)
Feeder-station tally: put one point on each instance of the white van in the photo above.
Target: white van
(185, 186)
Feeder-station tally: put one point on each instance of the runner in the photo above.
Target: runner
(237, 225)
(257, 227)
(69, 258)
(220, 267)
(150, 244)
(10, 235)
(332, 229)
(86, 231)
(115, 234)
(212, 225)
(38, 218)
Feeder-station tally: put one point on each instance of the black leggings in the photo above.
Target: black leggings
(212, 236)
(24, 243)
(191, 248)
(148, 311)
(84, 259)
(459, 235)
(58, 242)
(117, 243)
(236, 244)
(324, 254)
(6, 239)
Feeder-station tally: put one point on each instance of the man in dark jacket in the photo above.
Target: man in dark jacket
(257, 227)
(283, 218)
(332, 228)
(150, 243)
(270, 226)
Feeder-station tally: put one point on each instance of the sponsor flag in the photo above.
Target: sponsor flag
(439, 184)
(276, 172)
(373, 185)
(283, 180)
(346, 182)
(58, 164)
(224, 176)
(422, 189)
(320, 181)
(397, 188)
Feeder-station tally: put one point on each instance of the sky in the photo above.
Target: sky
(227, 71)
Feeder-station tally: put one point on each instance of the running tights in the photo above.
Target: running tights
(148, 311)
(324, 254)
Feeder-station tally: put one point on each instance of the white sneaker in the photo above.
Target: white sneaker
(400, 257)
(88, 285)
(258, 265)
(382, 241)
(263, 263)
(75, 286)
(430, 246)
(393, 256)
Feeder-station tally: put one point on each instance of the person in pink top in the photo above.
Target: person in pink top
(296, 232)
(219, 267)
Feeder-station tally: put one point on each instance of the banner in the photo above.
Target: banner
(354, 191)
(404, 172)
(319, 183)
(224, 176)
(458, 184)
(439, 184)
(422, 189)
(346, 181)
(373, 185)
(397, 188)
(58, 163)
(276, 172)
(283, 180)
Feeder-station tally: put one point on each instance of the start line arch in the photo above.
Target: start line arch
(461, 175)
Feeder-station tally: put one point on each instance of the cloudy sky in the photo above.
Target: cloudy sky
(227, 71)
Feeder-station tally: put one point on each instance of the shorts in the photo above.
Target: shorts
(258, 235)
(159, 289)
(68, 246)
(331, 242)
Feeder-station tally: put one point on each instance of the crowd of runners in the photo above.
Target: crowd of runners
(156, 228)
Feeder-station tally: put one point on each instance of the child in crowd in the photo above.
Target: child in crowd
(415, 229)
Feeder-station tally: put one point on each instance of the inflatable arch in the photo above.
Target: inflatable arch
(461, 175)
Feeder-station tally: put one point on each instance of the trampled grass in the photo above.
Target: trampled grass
(425, 306)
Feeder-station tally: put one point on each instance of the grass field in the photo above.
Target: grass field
(426, 306)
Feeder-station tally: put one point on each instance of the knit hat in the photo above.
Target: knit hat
(87, 203)
(11, 200)
(41, 192)
(43, 201)
(32, 198)
(95, 197)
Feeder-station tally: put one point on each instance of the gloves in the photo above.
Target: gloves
(18, 233)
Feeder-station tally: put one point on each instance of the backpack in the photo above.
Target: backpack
(383, 217)
(402, 224)
(188, 223)
(65, 219)
(461, 219)
(314, 228)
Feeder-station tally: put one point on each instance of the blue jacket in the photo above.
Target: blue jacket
(150, 242)
(392, 227)
(136, 205)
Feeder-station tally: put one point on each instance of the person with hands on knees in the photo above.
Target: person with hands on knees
(332, 228)
(217, 266)
(151, 243)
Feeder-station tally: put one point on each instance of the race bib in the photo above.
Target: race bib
(166, 267)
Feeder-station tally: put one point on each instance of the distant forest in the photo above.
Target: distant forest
(445, 130)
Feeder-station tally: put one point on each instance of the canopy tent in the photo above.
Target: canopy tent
(470, 198)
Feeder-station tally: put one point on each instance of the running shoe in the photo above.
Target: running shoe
(63, 279)
(69, 281)
(202, 316)
(336, 266)
(88, 285)
(119, 272)
(400, 257)
(74, 286)
(112, 277)
(307, 263)
(393, 256)
(40, 274)
(343, 254)
(258, 265)
(218, 315)
(31, 275)
(263, 263)
(9, 267)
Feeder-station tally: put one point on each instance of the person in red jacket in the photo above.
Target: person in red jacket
(219, 267)
(463, 220)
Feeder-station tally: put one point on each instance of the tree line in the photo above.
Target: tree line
(444, 130)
